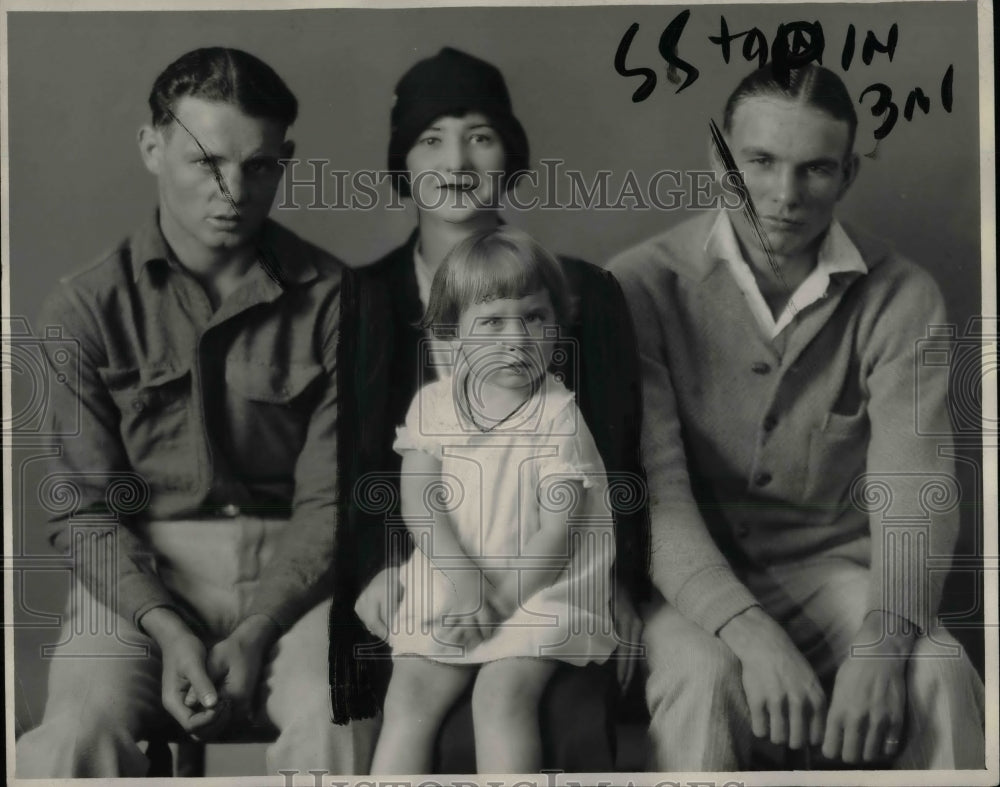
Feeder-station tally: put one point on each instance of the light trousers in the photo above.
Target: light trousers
(700, 718)
(105, 675)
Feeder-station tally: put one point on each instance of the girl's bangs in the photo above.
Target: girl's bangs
(498, 272)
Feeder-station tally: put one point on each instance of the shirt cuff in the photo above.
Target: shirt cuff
(137, 594)
(276, 605)
(713, 597)
(902, 588)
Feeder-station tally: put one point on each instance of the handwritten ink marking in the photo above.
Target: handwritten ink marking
(754, 45)
(873, 45)
(649, 83)
(848, 54)
(668, 50)
(947, 88)
(917, 98)
(796, 44)
(884, 104)
(807, 44)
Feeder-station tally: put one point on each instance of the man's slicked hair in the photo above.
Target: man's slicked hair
(811, 85)
(229, 76)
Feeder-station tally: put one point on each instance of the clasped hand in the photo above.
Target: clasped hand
(206, 690)
(789, 707)
(454, 625)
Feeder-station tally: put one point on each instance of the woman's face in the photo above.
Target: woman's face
(456, 167)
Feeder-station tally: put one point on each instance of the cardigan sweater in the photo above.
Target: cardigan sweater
(757, 451)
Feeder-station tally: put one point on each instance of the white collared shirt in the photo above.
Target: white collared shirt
(424, 277)
(837, 254)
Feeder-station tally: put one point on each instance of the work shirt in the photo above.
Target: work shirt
(828, 436)
(187, 412)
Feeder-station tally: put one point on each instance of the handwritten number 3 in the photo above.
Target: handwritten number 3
(881, 106)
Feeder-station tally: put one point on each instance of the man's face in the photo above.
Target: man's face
(796, 164)
(446, 148)
(213, 142)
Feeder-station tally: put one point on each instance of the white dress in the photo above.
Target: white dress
(494, 484)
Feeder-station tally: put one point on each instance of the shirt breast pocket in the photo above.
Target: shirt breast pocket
(154, 405)
(837, 455)
(270, 405)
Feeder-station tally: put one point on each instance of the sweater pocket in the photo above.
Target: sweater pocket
(837, 455)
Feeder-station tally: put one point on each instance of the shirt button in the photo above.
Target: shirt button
(770, 421)
(762, 479)
(138, 405)
(230, 510)
(760, 367)
(742, 530)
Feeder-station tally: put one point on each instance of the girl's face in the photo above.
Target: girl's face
(505, 341)
(456, 167)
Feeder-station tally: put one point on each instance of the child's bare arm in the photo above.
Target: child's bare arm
(420, 473)
(548, 549)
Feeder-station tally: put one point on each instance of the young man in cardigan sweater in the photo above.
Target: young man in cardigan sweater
(779, 356)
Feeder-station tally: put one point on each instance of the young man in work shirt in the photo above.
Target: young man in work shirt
(208, 391)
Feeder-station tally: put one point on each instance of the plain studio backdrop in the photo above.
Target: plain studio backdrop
(78, 84)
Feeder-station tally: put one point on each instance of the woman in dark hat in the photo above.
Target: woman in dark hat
(456, 149)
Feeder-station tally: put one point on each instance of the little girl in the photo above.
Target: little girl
(503, 491)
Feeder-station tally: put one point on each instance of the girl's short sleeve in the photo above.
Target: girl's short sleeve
(418, 432)
(577, 458)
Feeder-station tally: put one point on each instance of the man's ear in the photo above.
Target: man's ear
(151, 143)
(851, 166)
(287, 148)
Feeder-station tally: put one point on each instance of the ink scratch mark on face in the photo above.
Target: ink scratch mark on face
(749, 210)
(263, 254)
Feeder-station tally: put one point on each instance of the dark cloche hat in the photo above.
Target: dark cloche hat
(452, 83)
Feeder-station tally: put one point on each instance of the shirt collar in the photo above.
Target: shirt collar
(837, 252)
(424, 277)
(148, 245)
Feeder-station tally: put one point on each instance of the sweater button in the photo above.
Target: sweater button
(760, 367)
(762, 479)
(770, 421)
(230, 509)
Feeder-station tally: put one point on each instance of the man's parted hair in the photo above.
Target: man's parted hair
(812, 85)
(230, 76)
(501, 263)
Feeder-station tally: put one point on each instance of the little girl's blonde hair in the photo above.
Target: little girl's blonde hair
(500, 263)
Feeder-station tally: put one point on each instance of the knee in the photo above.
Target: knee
(704, 668)
(940, 668)
(497, 694)
(80, 730)
(410, 695)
